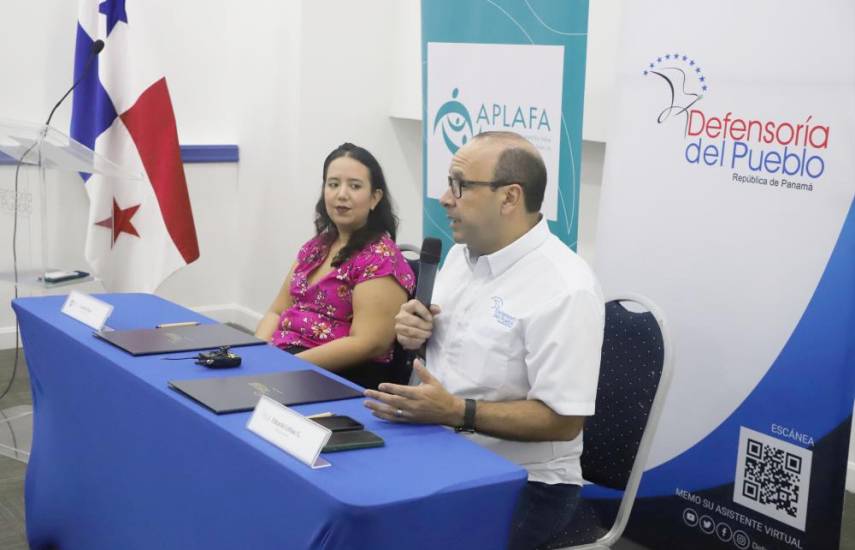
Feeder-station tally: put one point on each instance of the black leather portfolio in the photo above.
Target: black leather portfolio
(241, 393)
(174, 339)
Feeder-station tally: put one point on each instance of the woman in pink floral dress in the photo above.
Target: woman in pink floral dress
(337, 306)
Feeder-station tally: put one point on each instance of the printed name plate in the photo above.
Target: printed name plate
(290, 431)
(86, 309)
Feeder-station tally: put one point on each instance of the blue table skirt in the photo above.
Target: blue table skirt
(121, 461)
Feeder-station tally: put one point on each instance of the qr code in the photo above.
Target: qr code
(772, 477)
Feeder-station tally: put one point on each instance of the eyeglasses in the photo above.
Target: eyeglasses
(457, 185)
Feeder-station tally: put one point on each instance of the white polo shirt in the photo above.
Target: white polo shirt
(525, 322)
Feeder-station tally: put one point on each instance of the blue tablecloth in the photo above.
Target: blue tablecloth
(119, 460)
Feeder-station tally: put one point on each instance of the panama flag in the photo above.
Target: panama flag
(140, 231)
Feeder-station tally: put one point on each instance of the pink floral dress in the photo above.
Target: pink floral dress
(323, 311)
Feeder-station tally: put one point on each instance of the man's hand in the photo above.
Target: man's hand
(430, 403)
(427, 403)
(414, 324)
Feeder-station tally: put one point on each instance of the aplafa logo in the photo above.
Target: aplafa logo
(457, 126)
(751, 148)
(456, 123)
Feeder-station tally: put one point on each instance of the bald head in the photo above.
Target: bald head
(506, 139)
(519, 162)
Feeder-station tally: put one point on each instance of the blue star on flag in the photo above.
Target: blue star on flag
(115, 12)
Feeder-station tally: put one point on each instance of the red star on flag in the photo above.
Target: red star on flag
(120, 221)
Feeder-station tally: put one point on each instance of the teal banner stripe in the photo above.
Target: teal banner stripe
(544, 22)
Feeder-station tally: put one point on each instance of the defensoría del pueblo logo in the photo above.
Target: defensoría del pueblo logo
(683, 81)
(776, 151)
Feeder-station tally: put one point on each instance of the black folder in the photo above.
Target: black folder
(241, 393)
(175, 339)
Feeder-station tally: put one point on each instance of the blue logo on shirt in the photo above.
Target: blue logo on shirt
(499, 314)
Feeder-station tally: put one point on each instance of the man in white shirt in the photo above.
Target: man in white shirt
(513, 335)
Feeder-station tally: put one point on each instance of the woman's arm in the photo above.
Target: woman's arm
(372, 332)
(268, 324)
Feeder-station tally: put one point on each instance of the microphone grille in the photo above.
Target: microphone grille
(431, 250)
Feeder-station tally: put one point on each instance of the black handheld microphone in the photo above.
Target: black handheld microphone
(428, 262)
(97, 46)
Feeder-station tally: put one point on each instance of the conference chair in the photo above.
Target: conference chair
(411, 254)
(635, 373)
(401, 368)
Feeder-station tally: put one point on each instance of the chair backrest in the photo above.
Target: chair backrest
(401, 369)
(409, 251)
(634, 376)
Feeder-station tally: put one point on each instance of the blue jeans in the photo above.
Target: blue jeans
(542, 512)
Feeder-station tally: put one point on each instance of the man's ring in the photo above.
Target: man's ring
(399, 413)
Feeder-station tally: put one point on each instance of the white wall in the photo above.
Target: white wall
(342, 83)
(286, 82)
(198, 64)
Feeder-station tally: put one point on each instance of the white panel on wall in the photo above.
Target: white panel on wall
(591, 177)
(603, 31)
(406, 101)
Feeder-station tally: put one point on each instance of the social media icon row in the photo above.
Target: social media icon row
(722, 530)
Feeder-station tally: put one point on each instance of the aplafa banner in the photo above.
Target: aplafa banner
(728, 200)
(504, 65)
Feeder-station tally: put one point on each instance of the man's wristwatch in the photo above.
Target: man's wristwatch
(468, 418)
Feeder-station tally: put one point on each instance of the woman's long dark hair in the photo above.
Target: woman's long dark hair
(381, 220)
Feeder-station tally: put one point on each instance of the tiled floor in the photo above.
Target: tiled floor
(12, 536)
(12, 532)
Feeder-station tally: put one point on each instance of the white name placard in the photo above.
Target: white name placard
(290, 431)
(86, 309)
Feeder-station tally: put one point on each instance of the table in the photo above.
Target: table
(119, 460)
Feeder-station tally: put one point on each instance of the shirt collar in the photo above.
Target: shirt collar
(498, 262)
